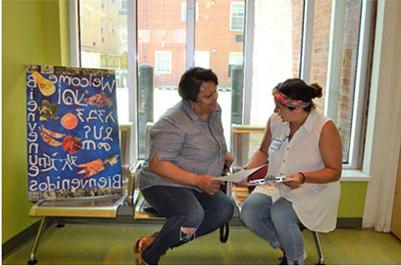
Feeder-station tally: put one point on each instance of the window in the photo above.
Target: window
(123, 7)
(214, 36)
(159, 29)
(276, 52)
(328, 42)
(318, 50)
(163, 62)
(102, 48)
(237, 16)
(234, 59)
(334, 65)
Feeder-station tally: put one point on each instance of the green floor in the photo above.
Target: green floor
(102, 244)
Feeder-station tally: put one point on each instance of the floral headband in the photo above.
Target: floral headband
(282, 99)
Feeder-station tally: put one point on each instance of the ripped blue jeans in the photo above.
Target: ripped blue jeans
(189, 214)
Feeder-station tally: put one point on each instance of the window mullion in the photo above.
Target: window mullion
(307, 37)
(190, 36)
(248, 58)
(132, 77)
(360, 83)
(335, 59)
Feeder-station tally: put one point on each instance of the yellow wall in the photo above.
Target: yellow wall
(31, 35)
(352, 200)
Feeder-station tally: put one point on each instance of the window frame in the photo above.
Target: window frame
(359, 108)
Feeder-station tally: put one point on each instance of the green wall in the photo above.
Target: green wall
(31, 35)
(352, 200)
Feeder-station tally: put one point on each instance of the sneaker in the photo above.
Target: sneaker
(283, 259)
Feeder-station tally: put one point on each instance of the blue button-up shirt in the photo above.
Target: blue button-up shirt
(192, 144)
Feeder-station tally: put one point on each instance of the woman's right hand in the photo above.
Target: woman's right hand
(207, 184)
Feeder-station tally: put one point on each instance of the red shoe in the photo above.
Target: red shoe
(143, 243)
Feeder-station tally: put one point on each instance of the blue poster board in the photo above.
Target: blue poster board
(72, 133)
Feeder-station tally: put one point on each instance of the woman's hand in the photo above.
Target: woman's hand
(207, 184)
(294, 180)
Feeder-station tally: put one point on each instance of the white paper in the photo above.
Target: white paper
(239, 176)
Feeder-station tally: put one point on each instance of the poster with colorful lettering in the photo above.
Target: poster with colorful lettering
(72, 133)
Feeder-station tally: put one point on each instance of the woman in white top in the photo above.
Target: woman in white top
(304, 146)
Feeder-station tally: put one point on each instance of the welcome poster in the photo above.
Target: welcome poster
(72, 133)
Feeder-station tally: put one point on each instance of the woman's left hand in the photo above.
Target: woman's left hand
(294, 180)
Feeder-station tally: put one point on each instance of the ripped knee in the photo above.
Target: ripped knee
(187, 233)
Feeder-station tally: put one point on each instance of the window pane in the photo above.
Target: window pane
(161, 60)
(320, 47)
(348, 73)
(237, 12)
(103, 27)
(349, 53)
(276, 51)
(219, 48)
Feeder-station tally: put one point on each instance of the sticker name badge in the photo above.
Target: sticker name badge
(276, 143)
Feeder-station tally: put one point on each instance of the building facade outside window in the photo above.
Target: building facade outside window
(184, 12)
(284, 39)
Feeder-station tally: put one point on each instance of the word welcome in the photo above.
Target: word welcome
(82, 82)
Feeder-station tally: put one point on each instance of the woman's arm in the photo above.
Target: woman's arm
(171, 171)
(331, 151)
(260, 156)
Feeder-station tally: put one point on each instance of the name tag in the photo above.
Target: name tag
(275, 145)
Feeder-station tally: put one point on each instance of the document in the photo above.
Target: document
(259, 172)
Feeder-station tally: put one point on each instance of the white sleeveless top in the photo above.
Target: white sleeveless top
(315, 204)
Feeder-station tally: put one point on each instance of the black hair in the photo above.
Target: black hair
(297, 89)
(192, 80)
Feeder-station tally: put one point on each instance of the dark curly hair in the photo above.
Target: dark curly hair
(297, 89)
(192, 80)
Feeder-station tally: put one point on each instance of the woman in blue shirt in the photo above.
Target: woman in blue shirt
(187, 151)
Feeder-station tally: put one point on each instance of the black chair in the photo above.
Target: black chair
(225, 229)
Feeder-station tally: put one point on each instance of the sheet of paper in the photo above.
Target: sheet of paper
(240, 175)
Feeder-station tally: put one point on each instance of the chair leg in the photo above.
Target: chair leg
(32, 260)
(224, 233)
(318, 248)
